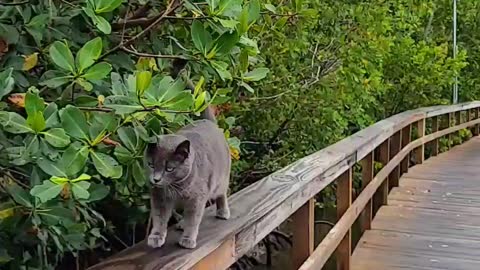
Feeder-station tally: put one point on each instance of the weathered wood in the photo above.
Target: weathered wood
(434, 144)
(216, 260)
(476, 129)
(381, 195)
(325, 249)
(406, 139)
(420, 151)
(449, 124)
(261, 207)
(367, 176)
(303, 233)
(344, 200)
(395, 146)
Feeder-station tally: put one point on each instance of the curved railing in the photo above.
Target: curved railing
(264, 205)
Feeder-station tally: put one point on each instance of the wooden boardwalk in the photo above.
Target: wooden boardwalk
(432, 220)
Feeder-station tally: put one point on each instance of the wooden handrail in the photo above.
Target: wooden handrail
(264, 205)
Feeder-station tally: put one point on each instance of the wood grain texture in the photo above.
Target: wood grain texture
(303, 233)
(406, 139)
(367, 176)
(432, 220)
(420, 151)
(434, 144)
(395, 146)
(381, 196)
(344, 200)
(261, 207)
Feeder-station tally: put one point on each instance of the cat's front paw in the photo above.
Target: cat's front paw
(223, 213)
(187, 242)
(155, 240)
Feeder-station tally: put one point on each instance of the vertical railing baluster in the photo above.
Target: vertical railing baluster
(344, 200)
(449, 124)
(381, 195)
(435, 141)
(476, 130)
(367, 176)
(303, 233)
(395, 147)
(420, 151)
(406, 139)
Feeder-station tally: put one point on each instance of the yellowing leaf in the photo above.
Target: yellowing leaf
(6, 213)
(234, 153)
(101, 100)
(17, 99)
(146, 63)
(30, 61)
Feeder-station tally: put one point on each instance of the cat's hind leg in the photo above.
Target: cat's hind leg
(223, 211)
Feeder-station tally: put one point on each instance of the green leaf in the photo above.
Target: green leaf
(62, 56)
(222, 70)
(51, 115)
(88, 54)
(55, 215)
(200, 37)
(106, 165)
(124, 109)
(80, 190)
(123, 155)
(103, 6)
(33, 103)
(129, 138)
(46, 191)
(253, 11)
(74, 159)
(51, 168)
(6, 82)
(99, 22)
(59, 180)
(74, 122)
(56, 82)
(98, 71)
(271, 8)
(36, 121)
(226, 42)
(182, 102)
(243, 21)
(84, 84)
(139, 174)
(256, 74)
(14, 123)
(83, 177)
(19, 195)
(98, 192)
(143, 80)
(57, 137)
(9, 33)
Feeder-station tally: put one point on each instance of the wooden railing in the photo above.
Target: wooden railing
(263, 206)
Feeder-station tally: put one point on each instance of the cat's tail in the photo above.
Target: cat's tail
(209, 112)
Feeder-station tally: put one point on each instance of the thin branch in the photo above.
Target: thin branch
(123, 30)
(148, 109)
(162, 56)
(14, 4)
(171, 7)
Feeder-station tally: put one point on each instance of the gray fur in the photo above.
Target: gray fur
(189, 167)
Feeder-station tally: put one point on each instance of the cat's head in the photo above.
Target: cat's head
(170, 160)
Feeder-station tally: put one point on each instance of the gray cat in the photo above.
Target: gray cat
(190, 168)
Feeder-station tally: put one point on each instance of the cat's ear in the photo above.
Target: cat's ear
(183, 150)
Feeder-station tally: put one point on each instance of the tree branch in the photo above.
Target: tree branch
(143, 22)
(170, 7)
(162, 56)
(149, 109)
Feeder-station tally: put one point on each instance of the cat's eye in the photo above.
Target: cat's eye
(169, 169)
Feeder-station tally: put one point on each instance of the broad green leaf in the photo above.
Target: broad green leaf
(243, 21)
(14, 123)
(103, 6)
(80, 190)
(9, 33)
(222, 70)
(182, 102)
(213, 4)
(129, 138)
(74, 159)
(143, 80)
(98, 71)
(33, 103)
(57, 137)
(226, 42)
(199, 101)
(139, 174)
(36, 121)
(253, 11)
(228, 7)
(55, 215)
(74, 122)
(271, 8)
(6, 82)
(200, 37)
(98, 192)
(118, 87)
(88, 54)
(123, 155)
(124, 109)
(57, 81)
(51, 115)
(83, 177)
(62, 56)
(256, 74)
(51, 168)
(84, 84)
(59, 180)
(106, 165)
(46, 191)
(99, 22)
(19, 195)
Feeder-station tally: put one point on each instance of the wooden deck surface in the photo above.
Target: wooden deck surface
(432, 220)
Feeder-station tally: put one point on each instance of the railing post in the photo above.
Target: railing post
(420, 151)
(395, 147)
(406, 139)
(367, 176)
(381, 195)
(435, 141)
(303, 233)
(476, 130)
(449, 124)
(344, 200)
